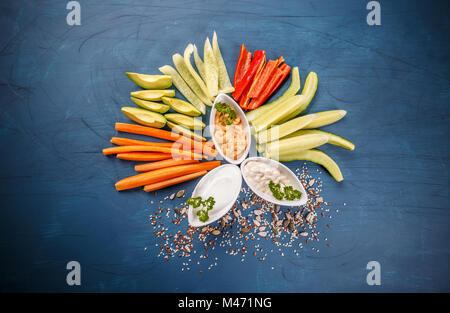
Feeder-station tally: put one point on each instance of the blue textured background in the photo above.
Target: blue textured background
(61, 92)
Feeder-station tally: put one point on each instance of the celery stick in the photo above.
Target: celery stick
(274, 116)
(316, 156)
(224, 80)
(292, 90)
(211, 69)
(181, 67)
(182, 87)
(333, 139)
(283, 147)
(309, 89)
(199, 63)
(281, 115)
(326, 118)
(279, 131)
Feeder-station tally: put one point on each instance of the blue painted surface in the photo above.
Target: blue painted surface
(61, 92)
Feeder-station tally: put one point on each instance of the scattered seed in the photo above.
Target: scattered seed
(291, 226)
(216, 232)
(244, 230)
(172, 196)
(304, 234)
(286, 223)
(262, 234)
(180, 193)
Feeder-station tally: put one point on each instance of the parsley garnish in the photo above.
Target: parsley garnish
(226, 109)
(206, 205)
(291, 194)
(288, 193)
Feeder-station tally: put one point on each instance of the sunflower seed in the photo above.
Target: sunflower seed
(262, 234)
(180, 193)
(244, 230)
(172, 196)
(177, 211)
(291, 226)
(310, 218)
(215, 232)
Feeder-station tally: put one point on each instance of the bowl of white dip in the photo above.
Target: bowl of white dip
(224, 185)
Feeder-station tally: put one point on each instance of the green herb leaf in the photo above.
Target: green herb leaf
(288, 193)
(195, 202)
(206, 205)
(276, 190)
(291, 194)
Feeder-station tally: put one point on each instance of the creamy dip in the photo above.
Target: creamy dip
(260, 173)
(231, 138)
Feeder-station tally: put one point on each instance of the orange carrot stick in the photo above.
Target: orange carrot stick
(164, 134)
(163, 174)
(144, 156)
(173, 181)
(161, 164)
(132, 142)
(173, 151)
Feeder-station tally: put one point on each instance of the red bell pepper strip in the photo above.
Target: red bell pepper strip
(285, 71)
(275, 81)
(258, 58)
(256, 102)
(245, 98)
(242, 65)
(263, 81)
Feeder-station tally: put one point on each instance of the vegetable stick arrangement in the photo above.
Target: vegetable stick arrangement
(281, 133)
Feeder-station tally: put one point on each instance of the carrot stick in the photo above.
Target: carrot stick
(163, 174)
(164, 134)
(144, 156)
(173, 181)
(161, 164)
(173, 151)
(131, 142)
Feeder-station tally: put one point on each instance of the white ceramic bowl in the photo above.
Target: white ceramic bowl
(286, 171)
(228, 100)
(225, 192)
